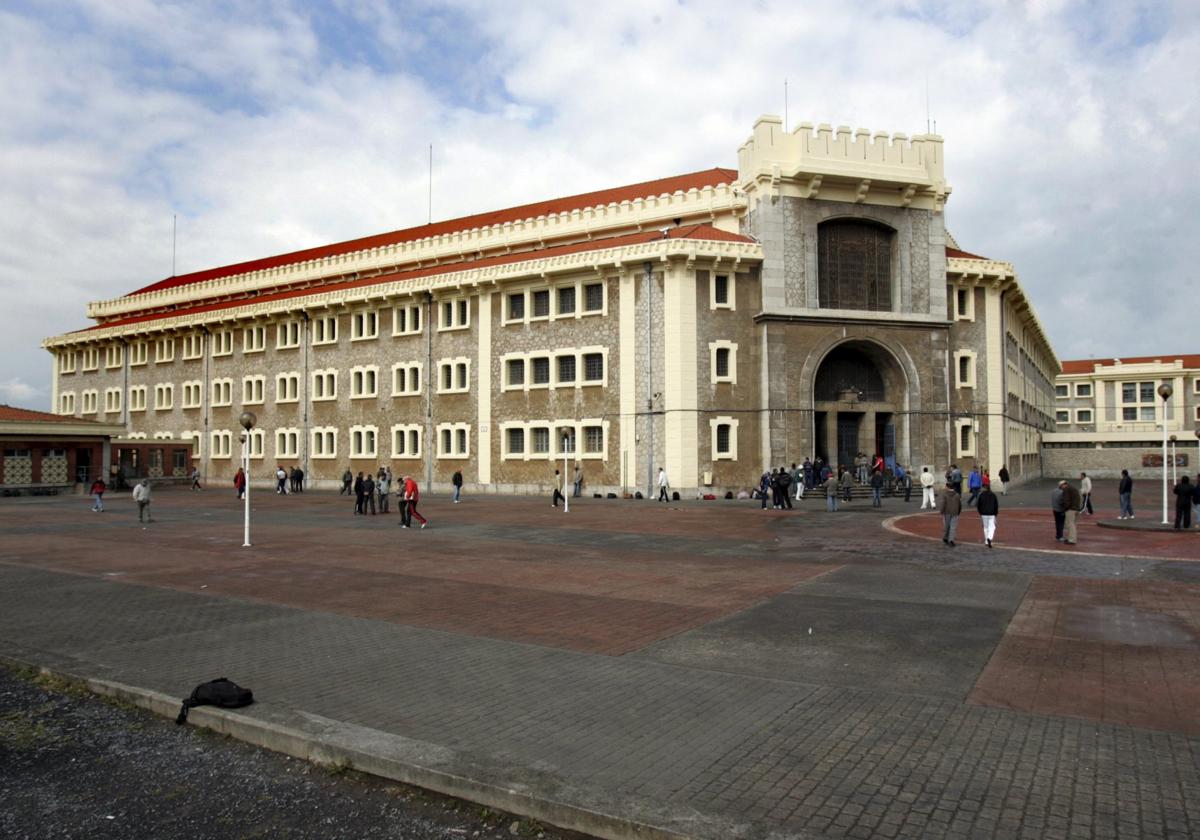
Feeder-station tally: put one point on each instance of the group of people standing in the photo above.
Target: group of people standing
(373, 492)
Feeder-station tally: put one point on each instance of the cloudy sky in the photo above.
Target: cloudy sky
(1072, 132)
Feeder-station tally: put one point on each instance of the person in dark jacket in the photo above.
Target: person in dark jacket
(950, 507)
(368, 489)
(1004, 479)
(1183, 503)
(989, 508)
(347, 480)
(783, 480)
(877, 488)
(1072, 500)
(456, 480)
(1125, 492)
(359, 501)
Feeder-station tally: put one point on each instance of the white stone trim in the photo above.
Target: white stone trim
(364, 382)
(460, 313)
(66, 361)
(222, 392)
(114, 356)
(164, 396)
(90, 358)
(713, 425)
(220, 444)
(192, 393)
(222, 343)
(66, 402)
(460, 444)
(256, 440)
(408, 368)
(364, 441)
(969, 450)
(731, 376)
(323, 442)
(553, 382)
(287, 334)
(137, 398)
(287, 442)
(287, 387)
(254, 389)
(254, 339)
(112, 400)
(193, 348)
(971, 378)
(409, 310)
(456, 366)
(324, 330)
(324, 385)
(404, 434)
(554, 449)
(164, 350)
(730, 303)
(364, 325)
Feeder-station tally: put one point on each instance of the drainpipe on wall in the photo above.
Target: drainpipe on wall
(304, 416)
(206, 400)
(649, 274)
(428, 383)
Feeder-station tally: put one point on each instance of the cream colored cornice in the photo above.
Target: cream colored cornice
(697, 204)
(858, 166)
(999, 275)
(59, 429)
(591, 262)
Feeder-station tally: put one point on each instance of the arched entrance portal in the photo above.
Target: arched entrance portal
(860, 404)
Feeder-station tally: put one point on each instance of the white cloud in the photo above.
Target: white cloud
(1069, 135)
(19, 393)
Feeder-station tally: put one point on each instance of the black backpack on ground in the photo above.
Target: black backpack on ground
(219, 692)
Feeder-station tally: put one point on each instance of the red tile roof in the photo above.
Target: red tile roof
(696, 232)
(962, 255)
(12, 414)
(1076, 366)
(697, 180)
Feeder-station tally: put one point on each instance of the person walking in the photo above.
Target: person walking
(1125, 495)
(927, 498)
(281, 477)
(950, 507)
(239, 483)
(558, 490)
(578, 480)
(904, 480)
(360, 507)
(412, 495)
(97, 492)
(1072, 501)
(141, 495)
(196, 479)
(299, 479)
(765, 488)
(369, 494)
(1058, 508)
(877, 488)
(1004, 479)
(797, 476)
(456, 480)
(785, 489)
(957, 478)
(1085, 493)
(847, 482)
(1183, 503)
(831, 493)
(663, 484)
(989, 508)
(974, 484)
(347, 481)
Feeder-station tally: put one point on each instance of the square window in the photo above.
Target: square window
(1083, 389)
(541, 303)
(1128, 392)
(1062, 391)
(566, 368)
(593, 297)
(593, 367)
(516, 441)
(516, 371)
(1083, 416)
(539, 439)
(1063, 416)
(1146, 392)
(516, 306)
(593, 439)
(541, 370)
(566, 300)
(1147, 412)
(1129, 414)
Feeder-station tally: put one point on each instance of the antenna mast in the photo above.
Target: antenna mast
(174, 231)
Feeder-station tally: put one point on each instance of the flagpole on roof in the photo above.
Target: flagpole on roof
(174, 229)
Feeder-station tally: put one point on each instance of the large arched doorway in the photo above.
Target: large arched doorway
(860, 405)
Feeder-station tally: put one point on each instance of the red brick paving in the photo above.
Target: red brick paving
(1032, 529)
(586, 597)
(1060, 657)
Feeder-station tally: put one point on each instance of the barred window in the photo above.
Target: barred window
(593, 366)
(593, 297)
(722, 361)
(593, 439)
(566, 300)
(516, 306)
(541, 303)
(516, 371)
(854, 265)
(539, 439)
(541, 370)
(723, 438)
(516, 441)
(566, 368)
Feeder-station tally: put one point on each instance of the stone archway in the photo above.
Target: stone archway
(860, 397)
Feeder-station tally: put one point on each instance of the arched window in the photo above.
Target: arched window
(849, 369)
(854, 265)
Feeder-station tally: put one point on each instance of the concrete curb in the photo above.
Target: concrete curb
(523, 792)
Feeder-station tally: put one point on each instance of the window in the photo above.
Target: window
(112, 400)
(325, 330)
(1062, 416)
(453, 376)
(1139, 401)
(66, 402)
(254, 441)
(287, 443)
(1083, 389)
(540, 370)
(1083, 415)
(455, 314)
(965, 369)
(364, 325)
(515, 307)
(1062, 392)
(539, 440)
(163, 436)
(324, 385)
(137, 398)
(965, 437)
(406, 320)
(514, 441)
(723, 432)
(164, 351)
(593, 367)
(66, 361)
(363, 441)
(364, 382)
(324, 442)
(406, 379)
(220, 444)
(406, 441)
(593, 440)
(222, 343)
(541, 303)
(566, 369)
(287, 388)
(254, 339)
(566, 300)
(564, 440)
(192, 394)
(723, 362)
(222, 392)
(253, 388)
(287, 335)
(514, 372)
(593, 297)
(164, 397)
(854, 265)
(114, 356)
(193, 347)
(720, 294)
(91, 358)
(453, 440)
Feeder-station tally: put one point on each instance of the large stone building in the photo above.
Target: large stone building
(1110, 416)
(809, 303)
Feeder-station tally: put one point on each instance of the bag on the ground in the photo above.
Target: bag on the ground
(219, 692)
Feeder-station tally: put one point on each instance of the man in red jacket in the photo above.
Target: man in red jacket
(409, 508)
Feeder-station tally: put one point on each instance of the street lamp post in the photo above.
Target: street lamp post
(248, 419)
(1174, 466)
(1165, 390)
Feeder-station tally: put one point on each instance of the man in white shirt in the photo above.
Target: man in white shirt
(927, 497)
(662, 485)
(141, 495)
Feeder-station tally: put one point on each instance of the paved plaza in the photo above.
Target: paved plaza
(635, 669)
